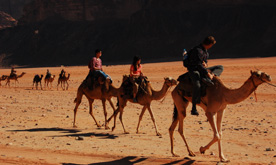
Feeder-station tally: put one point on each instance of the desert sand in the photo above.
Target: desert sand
(36, 125)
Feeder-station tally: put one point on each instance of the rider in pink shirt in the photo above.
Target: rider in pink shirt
(135, 73)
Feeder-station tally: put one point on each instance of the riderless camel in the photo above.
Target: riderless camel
(37, 80)
(62, 81)
(144, 99)
(214, 103)
(15, 77)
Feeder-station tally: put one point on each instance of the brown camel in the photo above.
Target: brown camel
(144, 99)
(37, 80)
(49, 80)
(214, 103)
(14, 78)
(62, 81)
(103, 91)
(4, 77)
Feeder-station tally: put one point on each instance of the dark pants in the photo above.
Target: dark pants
(196, 78)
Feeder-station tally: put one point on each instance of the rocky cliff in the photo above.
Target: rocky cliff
(67, 32)
(6, 20)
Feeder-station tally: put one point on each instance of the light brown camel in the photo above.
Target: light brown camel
(214, 103)
(37, 80)
(144, 99)
(62, 81)
(4, 77)
(102, 92)
(49, 80)
(14, 78)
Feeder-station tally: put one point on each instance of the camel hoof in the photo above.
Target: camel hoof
(113, 128)
(202, 151)
(191, 154)
(126, 133)
(74, 126)
(106, 127)
(175, 155)
(158, 134)
(224, 160)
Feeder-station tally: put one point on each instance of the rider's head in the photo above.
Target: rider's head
(98, 53)
(208, 42)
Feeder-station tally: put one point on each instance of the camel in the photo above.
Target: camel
(102, 92)
(214, 103)
(49, 80)
(62, 81)
(144, 99)
(37, 80)
(14, 78)
(4, 77)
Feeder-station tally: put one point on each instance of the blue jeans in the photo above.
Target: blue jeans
(97, 73)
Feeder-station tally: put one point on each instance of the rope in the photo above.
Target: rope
(165, 95)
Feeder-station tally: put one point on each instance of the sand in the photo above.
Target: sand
(36, 125)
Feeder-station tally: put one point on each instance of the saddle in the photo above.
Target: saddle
(128, 85)
(186, 86)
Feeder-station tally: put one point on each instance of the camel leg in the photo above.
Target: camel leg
(140, 118)
(219, 124)
(153, 120)
(113, 107)
(212, 121)
(122, 104)
(67, 85)
(105, 113)
(91, 111)
(171, 131)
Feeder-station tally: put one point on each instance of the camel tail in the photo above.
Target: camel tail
(175, 114)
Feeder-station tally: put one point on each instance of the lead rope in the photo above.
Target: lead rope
(165, 94)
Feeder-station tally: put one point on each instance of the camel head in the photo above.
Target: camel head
(259, 77)
(170, 81)
(41, 76)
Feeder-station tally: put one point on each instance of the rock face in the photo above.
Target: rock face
(80, 10)
(13, 7)
(67, 32)
(6, 20)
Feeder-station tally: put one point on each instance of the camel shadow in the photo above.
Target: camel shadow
(125, 161)
(185, 161)
(62, 130)
(101, 135)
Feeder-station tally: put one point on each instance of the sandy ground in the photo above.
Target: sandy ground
(36, 125)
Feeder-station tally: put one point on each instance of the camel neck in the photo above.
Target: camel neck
(157, 95)
(233, 96)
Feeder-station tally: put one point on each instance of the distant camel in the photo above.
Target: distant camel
(214, 103)
(144, 98)
(62, 81)
(104, 91)
(37, 80)
(14, 78)
(4, 77)
(49, 80)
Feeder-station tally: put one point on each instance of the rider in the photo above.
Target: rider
(13, 72)
(197, 68)
(95, 66)
(48, 74)
(135, 75)
(62, 73)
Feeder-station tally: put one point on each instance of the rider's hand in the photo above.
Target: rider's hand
(210, 75)
(204, 64)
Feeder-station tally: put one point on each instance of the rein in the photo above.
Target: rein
(166, 93)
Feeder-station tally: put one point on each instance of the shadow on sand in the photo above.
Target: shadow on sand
(101, 135)
(47, 129)
(130, 160)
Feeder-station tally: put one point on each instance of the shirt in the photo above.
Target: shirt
(95, 63)
(137, 72)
